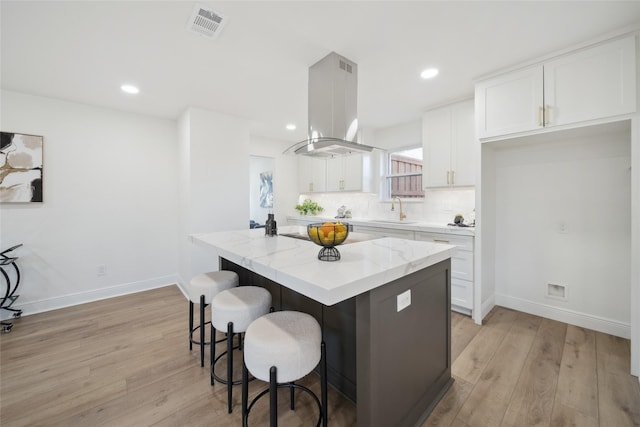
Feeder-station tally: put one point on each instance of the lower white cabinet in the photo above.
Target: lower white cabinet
(461, 268)
(384, 232)
(302, 221)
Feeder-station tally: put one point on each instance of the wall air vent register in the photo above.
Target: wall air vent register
(205, 22)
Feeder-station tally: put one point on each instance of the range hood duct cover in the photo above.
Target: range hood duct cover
(333, 110)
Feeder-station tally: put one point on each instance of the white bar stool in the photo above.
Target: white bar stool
(281, 348)
(233, 311)
(202, 289)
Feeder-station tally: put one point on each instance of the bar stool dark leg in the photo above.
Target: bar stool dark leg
(323, 384)
(190, 325)
(201, 330)
(245, 392)
(229, 364)
(292, 396)
(212, 352)
(273, 398)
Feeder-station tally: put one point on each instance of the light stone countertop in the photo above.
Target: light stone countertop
(413, 225)
(364, 265)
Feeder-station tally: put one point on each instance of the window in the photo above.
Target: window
(404, 173)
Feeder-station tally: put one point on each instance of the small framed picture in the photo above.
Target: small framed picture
(20, 168)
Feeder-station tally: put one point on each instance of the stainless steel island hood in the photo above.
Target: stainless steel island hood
(333, 107)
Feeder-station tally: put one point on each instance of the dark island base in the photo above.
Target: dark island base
(396, 365)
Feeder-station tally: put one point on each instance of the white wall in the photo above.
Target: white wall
(563, 216)
(109, 199)
(399, 136)
(214, 183)
(285, 177)
(635, 239)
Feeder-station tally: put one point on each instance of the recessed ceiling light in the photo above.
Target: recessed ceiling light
(291, 126)
(429, 73)
(130, 89)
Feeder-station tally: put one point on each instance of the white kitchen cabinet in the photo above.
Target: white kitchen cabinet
(590, 84)
(593, 83)
(461, 268)
(302, 221)
(510, 103)
(384, 232)
(448, 145)
(345, 173)
(312, 174)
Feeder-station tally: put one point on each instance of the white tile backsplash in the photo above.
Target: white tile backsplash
(439, 206)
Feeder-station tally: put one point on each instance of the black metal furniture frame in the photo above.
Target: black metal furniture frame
(10, 294)
(229, 352)
(292, 386)
(200, 327)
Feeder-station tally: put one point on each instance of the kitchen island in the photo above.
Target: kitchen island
(384, 308)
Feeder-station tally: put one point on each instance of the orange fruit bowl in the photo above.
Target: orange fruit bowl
(328, 234)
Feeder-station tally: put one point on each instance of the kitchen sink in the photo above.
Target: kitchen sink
(391, 221)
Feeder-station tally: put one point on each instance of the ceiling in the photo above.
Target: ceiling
(82, 51)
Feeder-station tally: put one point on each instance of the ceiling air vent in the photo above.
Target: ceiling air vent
(205, 22)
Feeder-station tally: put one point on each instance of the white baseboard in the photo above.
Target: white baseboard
(600, 324)
(487, 306)
(182, 286)
(54, 303)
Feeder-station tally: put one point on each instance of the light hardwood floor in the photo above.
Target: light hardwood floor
(125, 362)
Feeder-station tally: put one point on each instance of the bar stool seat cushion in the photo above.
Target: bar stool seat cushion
(241, 306)
(211, 283)
(288, 340)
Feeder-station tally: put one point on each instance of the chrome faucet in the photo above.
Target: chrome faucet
(402, 215)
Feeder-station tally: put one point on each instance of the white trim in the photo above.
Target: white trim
(69, 300)
(596, 323)
(635, 236)
(462, 310)
(182, 283)
(487, 306)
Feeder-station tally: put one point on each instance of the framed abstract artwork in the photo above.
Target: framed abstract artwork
(20, 168)
(266, 189)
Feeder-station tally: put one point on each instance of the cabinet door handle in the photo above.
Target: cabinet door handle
(453, 177)
(440, 241)
(540, 116)
(311, 187)
(448, 172)
(547, 115)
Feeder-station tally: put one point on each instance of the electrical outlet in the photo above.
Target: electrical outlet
(101, 270)
(403, 300)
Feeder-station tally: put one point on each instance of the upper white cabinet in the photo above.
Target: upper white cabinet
(510, 103)
(345, 173)
(349, 173)
(592, 83)
(312, 174)
(448, 137)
